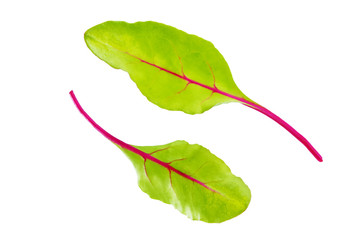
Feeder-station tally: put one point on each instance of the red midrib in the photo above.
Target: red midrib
(247, 103)
(133, 149)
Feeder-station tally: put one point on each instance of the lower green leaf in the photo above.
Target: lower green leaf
(188, 176)
(195, 181)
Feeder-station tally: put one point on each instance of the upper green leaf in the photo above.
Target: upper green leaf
(173, 69)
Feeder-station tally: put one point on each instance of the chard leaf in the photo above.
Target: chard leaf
(188, 176)
(173, 69)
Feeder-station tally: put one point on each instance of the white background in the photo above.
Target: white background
(61, 179)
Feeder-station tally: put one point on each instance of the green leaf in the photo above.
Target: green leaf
(160, 59)
(196, 182)
(173, 69)
(188, 176)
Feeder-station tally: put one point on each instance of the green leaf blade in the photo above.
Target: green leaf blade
(146, 49)
(223, 195)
